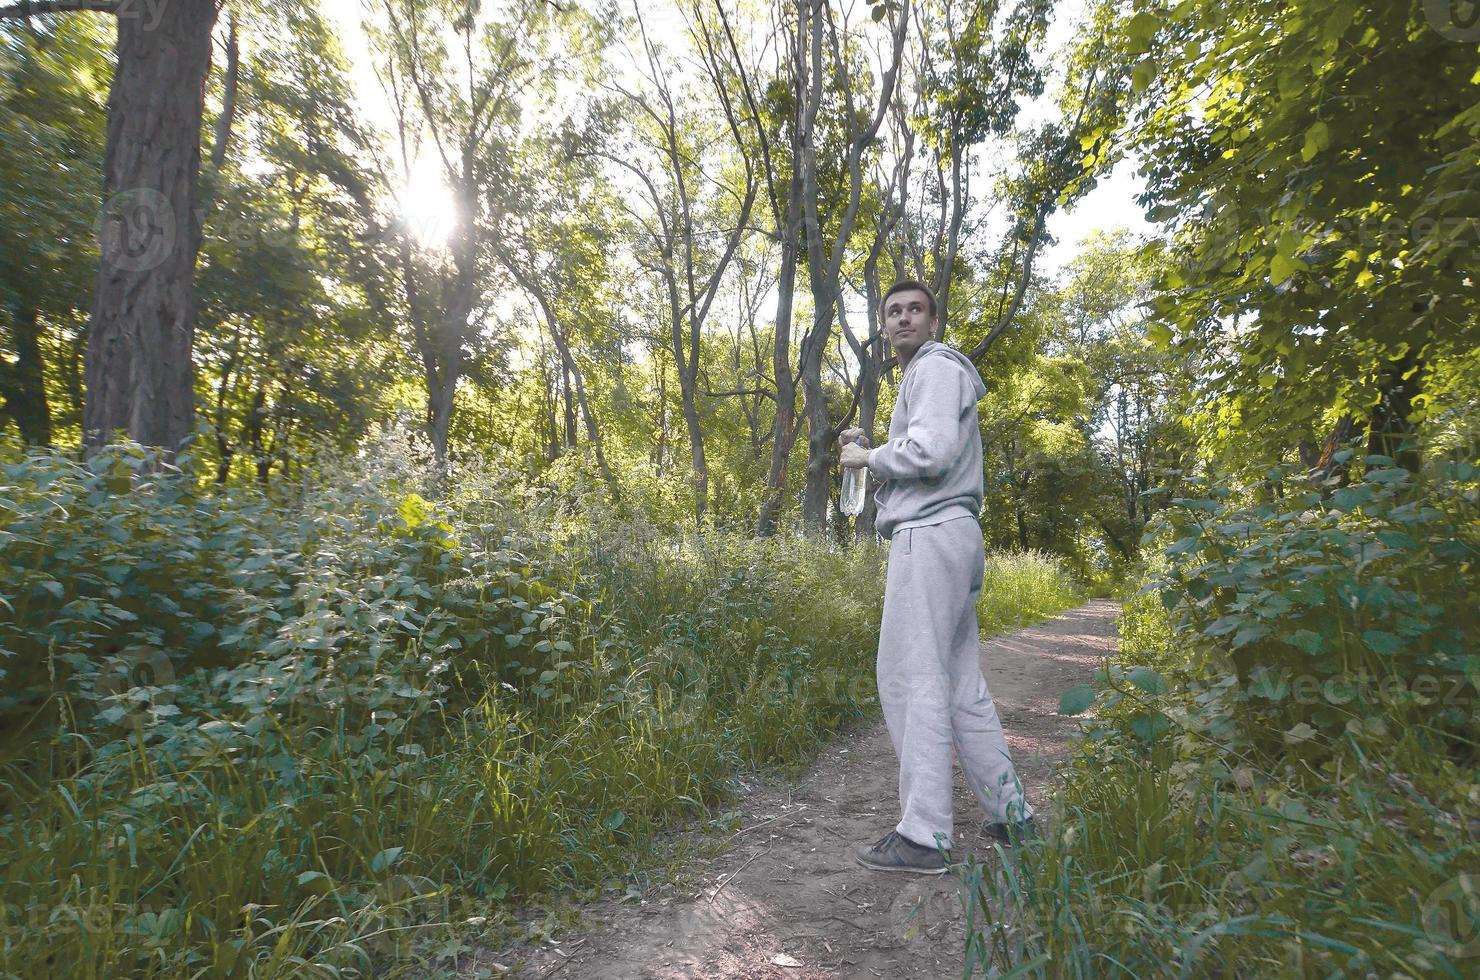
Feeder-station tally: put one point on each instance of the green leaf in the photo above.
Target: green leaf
(1147, 680)
(1317, 139)
(1348, 499)
(1268, 685)
(1282, 267)
(1300, 733)
(614, 820)
(1307, 640)
(1148, 727)
(1140, 30)
(1076, 700)
(1388, 475)
(1159, 334)
(385, 859)
(1383, 642)
(316, 882)
(1223, 625)
(1250, 634)
(1142, 75)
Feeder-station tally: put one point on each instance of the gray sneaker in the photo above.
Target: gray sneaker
(896, 853)
(1011, 833)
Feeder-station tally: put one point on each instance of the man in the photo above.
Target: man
(929, 669)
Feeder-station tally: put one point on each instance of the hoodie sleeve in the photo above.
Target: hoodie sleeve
(934, 436)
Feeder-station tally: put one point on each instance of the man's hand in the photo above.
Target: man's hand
(853, 457)
(848, 435)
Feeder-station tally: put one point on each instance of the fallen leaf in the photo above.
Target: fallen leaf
(781, 959)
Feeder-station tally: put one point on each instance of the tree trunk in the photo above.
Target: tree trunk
(696, 448)
(1390, 427)
(784, 426)
(815, 495)
(138, 369)
(870, 374)
(439, 421)
(570, 404)
(23, 387)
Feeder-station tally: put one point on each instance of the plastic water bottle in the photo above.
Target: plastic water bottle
(855, 486)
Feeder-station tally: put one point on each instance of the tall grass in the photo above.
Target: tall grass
(1023, 587)
(396, 720)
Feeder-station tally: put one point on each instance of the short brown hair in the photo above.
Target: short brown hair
(906, 285)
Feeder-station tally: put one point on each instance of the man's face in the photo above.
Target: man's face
(908, 322)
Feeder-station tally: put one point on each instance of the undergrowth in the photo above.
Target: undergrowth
(1020, 588)
(1279, 779)
(343, 731)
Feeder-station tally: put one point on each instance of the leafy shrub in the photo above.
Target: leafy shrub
(352, 713)
(1279, 777)
(1335, 608)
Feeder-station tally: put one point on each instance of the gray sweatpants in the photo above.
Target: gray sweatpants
(931, 685)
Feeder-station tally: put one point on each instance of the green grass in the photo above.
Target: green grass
(1156, 870)
(1280, 779)
(1020, 588)
(409, 726)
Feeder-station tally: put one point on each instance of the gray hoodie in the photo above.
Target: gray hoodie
(930, 470)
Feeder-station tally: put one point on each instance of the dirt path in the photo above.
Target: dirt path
(787, 886)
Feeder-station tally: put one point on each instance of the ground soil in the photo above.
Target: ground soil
(786, 890)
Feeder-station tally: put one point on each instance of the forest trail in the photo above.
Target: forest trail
(786, 888)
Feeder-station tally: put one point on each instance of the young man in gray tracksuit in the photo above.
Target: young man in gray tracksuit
(929, 496)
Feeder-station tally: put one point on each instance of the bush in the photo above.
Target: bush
(264, 731)
(1271, 785)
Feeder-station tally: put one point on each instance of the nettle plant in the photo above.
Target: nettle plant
(1332, 608)
(132, 598)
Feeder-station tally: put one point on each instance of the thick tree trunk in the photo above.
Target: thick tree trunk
(23, 387)
(138, 369)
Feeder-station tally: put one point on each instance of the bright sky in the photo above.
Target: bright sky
(1111, 204)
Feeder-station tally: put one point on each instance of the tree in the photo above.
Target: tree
(139, 367)
(558, 249)
(53, 82)
(458, 79)
(1324, 236)
(826, 247)
(684, 204)
(776, 109)
(296, 343)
